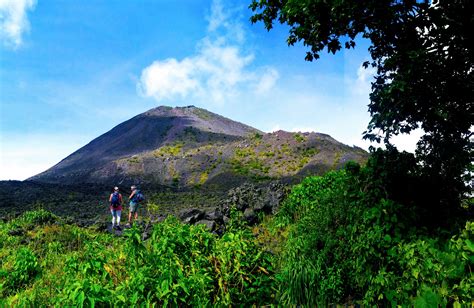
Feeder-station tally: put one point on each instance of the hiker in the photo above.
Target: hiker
(135, 198)
(115, 200)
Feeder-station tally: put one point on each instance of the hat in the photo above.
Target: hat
(116, 188)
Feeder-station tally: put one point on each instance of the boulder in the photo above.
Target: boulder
(215, 215)
(250, 216)
(190, 216)
(210, 224)
(157, 219)
(265, 199)
(226, 219)
(249, 199)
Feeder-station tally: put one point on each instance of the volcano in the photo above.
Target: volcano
(190, 146)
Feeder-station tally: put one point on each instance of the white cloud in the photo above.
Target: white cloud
(223, 24)
(169, 78)
(267, 81)
(14, 21)
(218, 17)
(218, 71)
(407, 142)
(362, 84)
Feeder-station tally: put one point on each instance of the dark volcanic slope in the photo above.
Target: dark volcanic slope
(146, 132)
(191, 147)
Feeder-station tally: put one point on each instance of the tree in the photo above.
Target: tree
(423, 57)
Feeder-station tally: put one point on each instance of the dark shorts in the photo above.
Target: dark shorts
(133, 206)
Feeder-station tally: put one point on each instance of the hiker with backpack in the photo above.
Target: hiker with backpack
(115, 200)
(135, 198)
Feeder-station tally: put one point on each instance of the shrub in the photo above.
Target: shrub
(25, 269)
(35, 218)
(244, 273)
(349, 242)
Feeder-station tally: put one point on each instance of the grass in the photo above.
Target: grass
(169, 150)
(299, 138)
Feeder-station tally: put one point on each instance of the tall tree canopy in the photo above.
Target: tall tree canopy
(423, 55)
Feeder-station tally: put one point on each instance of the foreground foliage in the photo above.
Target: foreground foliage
(349, 242)
(362, 235)
(47, 262)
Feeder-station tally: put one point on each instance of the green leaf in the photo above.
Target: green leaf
(121, 298)
(81, 298)
(470, 245)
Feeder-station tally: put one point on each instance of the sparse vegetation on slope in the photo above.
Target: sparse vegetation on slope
(189, 146)
(259, 157)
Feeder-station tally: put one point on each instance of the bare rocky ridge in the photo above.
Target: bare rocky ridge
(192, 147)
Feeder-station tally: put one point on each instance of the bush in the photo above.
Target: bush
(35, 218)
(24, 270)
(243, 271)
(179, 265)
(348, 242)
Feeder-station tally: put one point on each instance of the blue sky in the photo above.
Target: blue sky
(72, 70)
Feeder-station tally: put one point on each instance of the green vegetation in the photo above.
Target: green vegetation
(191, 134)
(299, 138)
(257, 137)
(251, 167)
(361, 235)
(245, 152)
(203, 178)
(202, 114)
(47, 262)
(248, 162)
(398, 231)
(353, 241)
(169, 150)
(133, 160)
(337, 159)
(309, 152)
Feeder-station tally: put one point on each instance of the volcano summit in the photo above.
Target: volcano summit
(190, 146)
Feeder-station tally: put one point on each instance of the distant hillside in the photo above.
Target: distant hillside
(192, 147)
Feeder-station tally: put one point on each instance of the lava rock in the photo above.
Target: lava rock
(215, 215)
(250, 216)
(190, 216)
(210, 224)
(16, 232)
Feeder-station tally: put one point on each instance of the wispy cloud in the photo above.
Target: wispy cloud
(362, 85)
(219, 70)
(14, 21)
(267, 81)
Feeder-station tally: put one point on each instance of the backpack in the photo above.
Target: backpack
(115, 199)
(139, 197)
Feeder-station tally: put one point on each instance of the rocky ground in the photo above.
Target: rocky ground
(87, 205)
